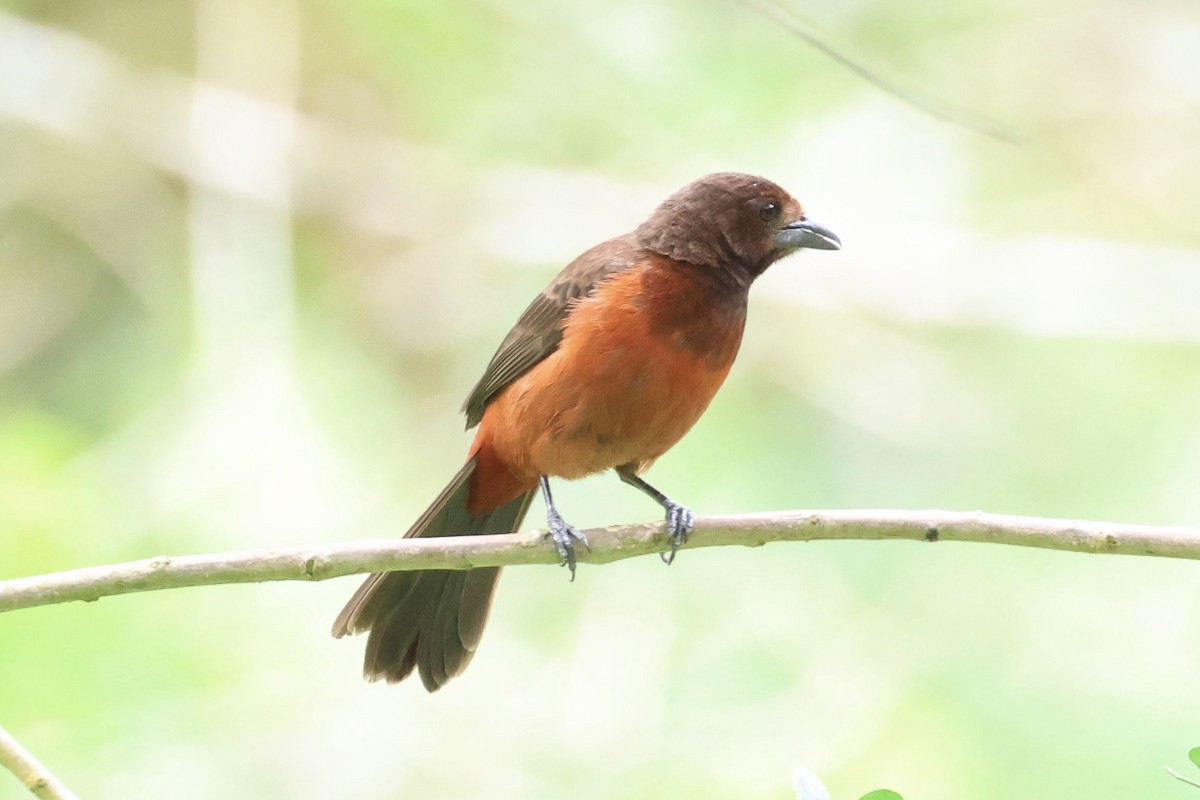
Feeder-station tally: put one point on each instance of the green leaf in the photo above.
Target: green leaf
(883, 794)
(1194, 756)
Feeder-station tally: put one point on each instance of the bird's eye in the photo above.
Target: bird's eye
(769, 212)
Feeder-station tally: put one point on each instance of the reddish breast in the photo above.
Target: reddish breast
(640, 360)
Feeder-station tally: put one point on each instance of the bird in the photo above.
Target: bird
(606, 369)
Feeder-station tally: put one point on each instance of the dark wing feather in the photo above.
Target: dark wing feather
(539, 330)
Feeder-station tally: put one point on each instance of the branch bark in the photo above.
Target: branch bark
(321, 562)
(22, 763)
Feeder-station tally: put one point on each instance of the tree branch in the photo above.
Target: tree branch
(22, 763)
(321, 562)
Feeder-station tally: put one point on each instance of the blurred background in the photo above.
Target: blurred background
(254, 255)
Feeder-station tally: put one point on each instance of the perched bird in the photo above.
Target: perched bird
(607, 369)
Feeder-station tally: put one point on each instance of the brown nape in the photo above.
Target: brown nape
(721, 221)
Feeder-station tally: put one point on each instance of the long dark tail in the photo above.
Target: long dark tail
(431, 619)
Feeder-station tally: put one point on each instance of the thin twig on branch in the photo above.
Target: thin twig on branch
(321, 562)
(1179, 777)
(22, 763)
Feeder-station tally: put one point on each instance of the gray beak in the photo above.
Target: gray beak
(806, 233)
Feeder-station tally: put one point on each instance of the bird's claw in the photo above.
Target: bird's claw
(679, 525)
(565, 537)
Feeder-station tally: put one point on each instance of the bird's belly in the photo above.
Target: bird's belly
(631, 409)
(622, 393)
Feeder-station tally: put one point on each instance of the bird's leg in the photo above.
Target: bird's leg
(679, 518)
(565, 536)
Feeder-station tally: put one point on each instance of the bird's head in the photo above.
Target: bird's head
(732, 221)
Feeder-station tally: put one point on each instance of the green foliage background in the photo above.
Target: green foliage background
(253, 255)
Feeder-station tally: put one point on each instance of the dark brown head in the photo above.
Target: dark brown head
(727, 220)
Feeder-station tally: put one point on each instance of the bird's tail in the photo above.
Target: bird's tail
(431, 619)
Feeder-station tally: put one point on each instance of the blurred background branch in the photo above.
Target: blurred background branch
(614, 543)
(32, 773)
(787, 16)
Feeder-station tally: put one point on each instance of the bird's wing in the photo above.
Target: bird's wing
(539, 330)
